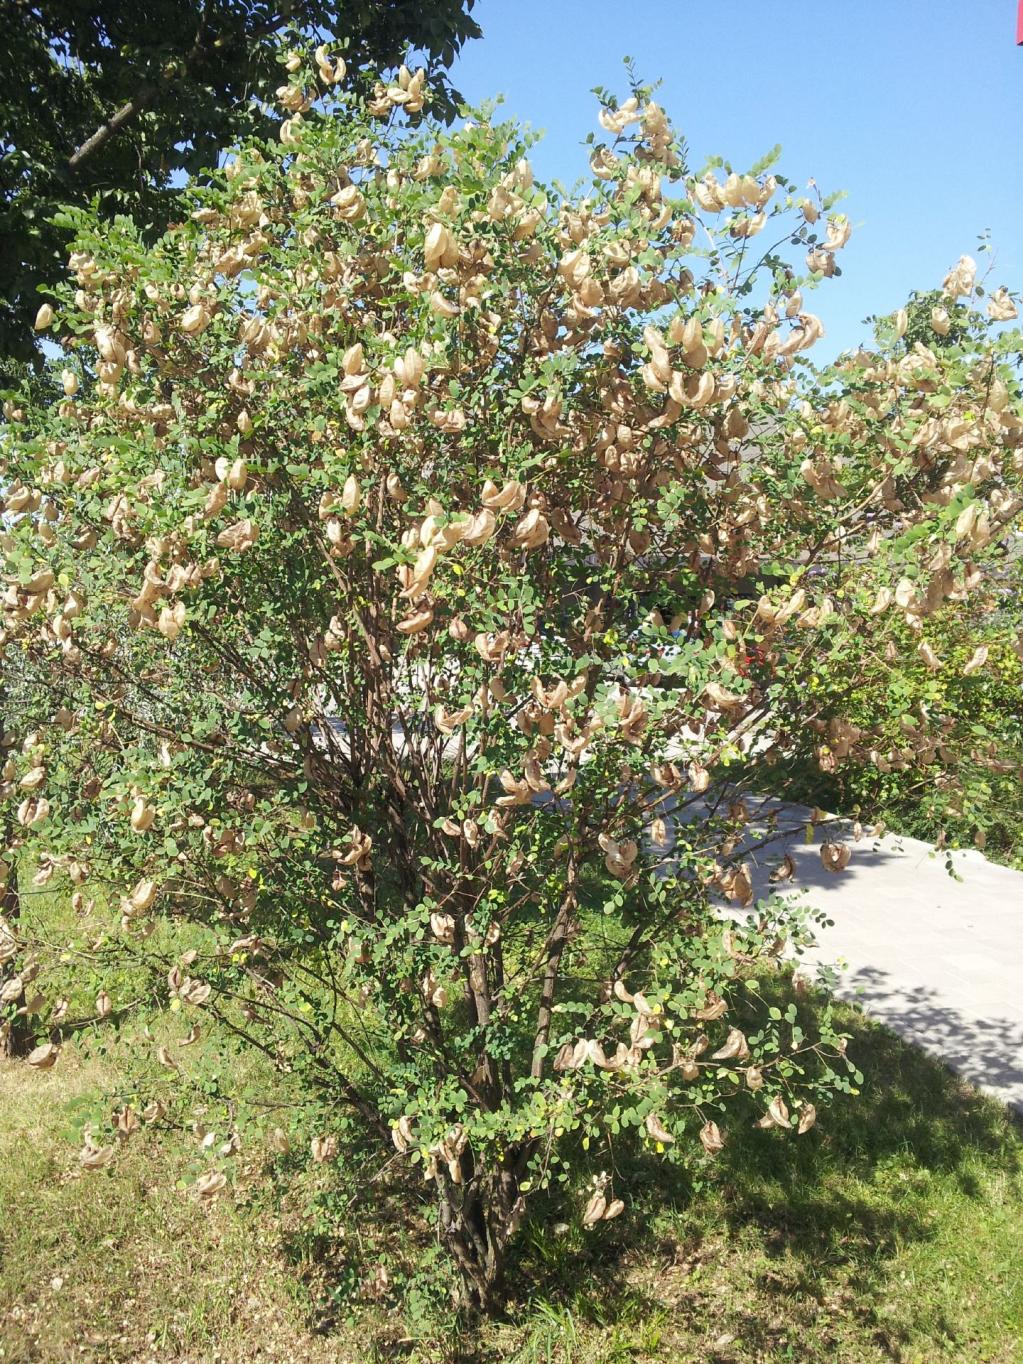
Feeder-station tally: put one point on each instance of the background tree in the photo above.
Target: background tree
(117, 102)
(422, 575)
(960, 800)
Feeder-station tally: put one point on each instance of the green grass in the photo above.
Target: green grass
(895, 1235)
(893, 1232)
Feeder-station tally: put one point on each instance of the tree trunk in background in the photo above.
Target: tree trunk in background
(13, 1038)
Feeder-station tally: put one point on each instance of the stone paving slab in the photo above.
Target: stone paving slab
(938, 959)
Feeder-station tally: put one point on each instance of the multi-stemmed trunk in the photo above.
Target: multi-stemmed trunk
(478, 1219)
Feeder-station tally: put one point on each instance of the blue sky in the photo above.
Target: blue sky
(914, 107)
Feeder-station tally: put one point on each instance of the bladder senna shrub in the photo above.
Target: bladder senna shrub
(406, 598)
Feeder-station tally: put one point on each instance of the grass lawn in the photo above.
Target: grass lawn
(893, 1232)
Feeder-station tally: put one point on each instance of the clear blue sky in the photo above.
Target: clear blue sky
(914, 107)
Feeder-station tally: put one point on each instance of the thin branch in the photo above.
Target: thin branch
(126, 114)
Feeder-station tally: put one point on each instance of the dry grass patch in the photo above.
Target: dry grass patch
(123, 1264)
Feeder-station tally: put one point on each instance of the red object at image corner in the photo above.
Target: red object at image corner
(1019, 24)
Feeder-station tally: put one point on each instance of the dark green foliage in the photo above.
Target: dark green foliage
(181, 79)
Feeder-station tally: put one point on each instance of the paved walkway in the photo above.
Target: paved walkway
(940, 960)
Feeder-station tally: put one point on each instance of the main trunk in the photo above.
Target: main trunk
(478, 1219)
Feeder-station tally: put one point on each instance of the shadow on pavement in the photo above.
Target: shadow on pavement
(986, 1051)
